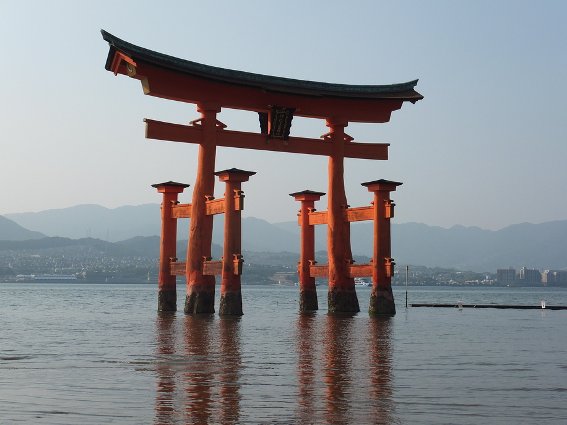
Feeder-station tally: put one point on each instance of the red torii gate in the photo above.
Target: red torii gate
(277, 100)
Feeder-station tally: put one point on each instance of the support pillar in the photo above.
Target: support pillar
(167, 294)
(231, 295)
(342, 294)
(307, 290)
(201, 288)
(381, 297)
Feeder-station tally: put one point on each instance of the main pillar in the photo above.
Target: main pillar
(307, 289)
(342, 295)
(201, 288)
(231, 295)
(381, 297)
(167, 294)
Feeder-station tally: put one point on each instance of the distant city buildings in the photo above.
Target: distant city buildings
(529, 277)
(506, 276)
(554, 277)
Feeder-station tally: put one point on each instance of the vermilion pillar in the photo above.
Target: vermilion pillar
(342, 295)
(307, 289)
(167, 295)
(201, 288)
(381, 297)
(231, 295)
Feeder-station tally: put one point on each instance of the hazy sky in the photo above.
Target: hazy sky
(486, 147)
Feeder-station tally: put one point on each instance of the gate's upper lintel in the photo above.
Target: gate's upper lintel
(178, 79)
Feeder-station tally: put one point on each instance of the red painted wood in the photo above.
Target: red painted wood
(212, 268)
(361, 270)
(169, 84)
(215, 206)
(168, 239)
(177, 268)
(382, 261)
(318, 217)
(240, 139)
(307, 244)
(319, 270)
(338, 237)
(181, 211)
(360, 214)
(232, 246)
(350, 215)
(201, 224)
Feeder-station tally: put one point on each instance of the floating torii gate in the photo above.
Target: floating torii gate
(276, 100)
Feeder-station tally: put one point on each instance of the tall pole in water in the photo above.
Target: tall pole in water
(407, 271)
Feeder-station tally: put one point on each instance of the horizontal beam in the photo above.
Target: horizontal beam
(360, 214)
(215, 206)
(168, 84)
(317, 217)
(177, 268)
(212, 268)
(160, 130)
(360, 270)
(354, 270)
(351, 215)
(181, 211)
(319, 271)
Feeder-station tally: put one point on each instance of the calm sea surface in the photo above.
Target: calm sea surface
(100, 354)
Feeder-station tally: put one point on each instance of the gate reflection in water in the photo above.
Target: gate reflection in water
(341, 374)
(198, 380)
(107, 358)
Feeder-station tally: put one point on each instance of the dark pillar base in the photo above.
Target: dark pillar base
(231, 304)
(200, 302)
(167, 300)
(342, 301)
(382, 302)
(308, 300)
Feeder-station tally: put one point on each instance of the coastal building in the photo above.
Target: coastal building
(506, 276)
(554, 277)
(529, 276)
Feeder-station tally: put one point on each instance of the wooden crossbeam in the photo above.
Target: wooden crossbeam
(354, 270)
(360, 214)
(351, 215)
(317, 217)
(177, 268)
(181, 211)
(212, 268)
(214, 206)
(160, 130)
(319, 271)
(360, 270)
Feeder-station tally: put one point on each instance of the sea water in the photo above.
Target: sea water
(101, 354)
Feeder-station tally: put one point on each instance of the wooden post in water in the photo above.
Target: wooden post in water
(382, 298)
(307, 290)
(200, 287)
(231, 295)
(167, 294)
(341, 297)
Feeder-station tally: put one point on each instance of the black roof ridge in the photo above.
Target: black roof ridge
(283, 84)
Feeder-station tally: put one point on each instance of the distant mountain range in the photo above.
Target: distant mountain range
(93, 221)
(12, 231)
(542, 246)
